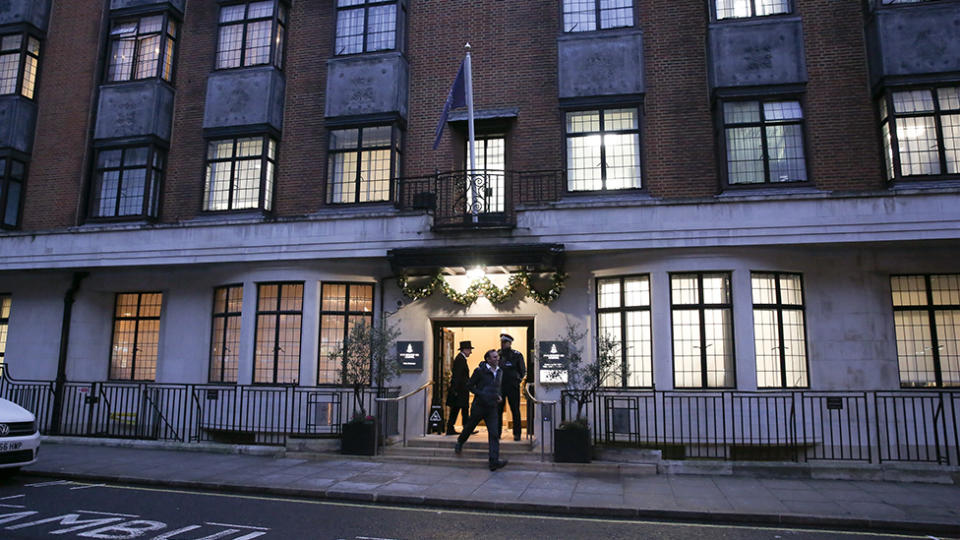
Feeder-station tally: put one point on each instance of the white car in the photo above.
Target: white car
(19, 437)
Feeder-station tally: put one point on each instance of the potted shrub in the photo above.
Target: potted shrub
(572, 443)
(365, 356)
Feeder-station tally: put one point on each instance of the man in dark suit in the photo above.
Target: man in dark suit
(458, 396)
(514, 370)
(485, 385)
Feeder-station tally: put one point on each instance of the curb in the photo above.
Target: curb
(730, 518)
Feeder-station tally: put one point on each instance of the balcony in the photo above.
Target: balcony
(464, 200)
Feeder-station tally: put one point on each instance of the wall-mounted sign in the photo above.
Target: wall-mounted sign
(410, 354)
(553, 355)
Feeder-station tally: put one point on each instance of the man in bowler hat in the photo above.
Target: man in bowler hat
(485, 384)
(514, 370)
(458, 396)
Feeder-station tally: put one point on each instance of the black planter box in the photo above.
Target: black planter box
(572, 445)
(359, 439)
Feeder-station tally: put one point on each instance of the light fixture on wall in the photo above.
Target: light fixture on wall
(476, 273)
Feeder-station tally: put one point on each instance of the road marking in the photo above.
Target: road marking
(518, 516)
(11, 497)
(45, 484)
(12, 505)
(240, 526)
(87, 486)
(372, 538)
(106, 513)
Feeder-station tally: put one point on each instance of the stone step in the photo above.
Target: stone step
(471, 452)
(476, 441)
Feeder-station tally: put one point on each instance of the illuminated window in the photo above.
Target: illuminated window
(19, 64)
(779, 333)
(279, 316)
(240, 174)
(363, 163)
(926, 315)
(623, 313)
(251, 34)
(225, 338)
(341, 306)
(490, 156)
(366, 26)
(589, 15)
(5, 302)
(136, 336)
(702, 330)
(764, 142)
(603, 149)
(142, 48)
(736, 9)
(921, 132)
(127, 182)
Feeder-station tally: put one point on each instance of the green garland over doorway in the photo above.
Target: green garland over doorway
(484, 287)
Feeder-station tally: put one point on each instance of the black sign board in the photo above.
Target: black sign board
(435, 421)
(553, 355)
(212, 394)
(410, 354)
(834, 403)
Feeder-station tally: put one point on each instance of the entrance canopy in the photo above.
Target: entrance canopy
(508, 258)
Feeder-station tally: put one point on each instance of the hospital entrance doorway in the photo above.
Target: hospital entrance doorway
(484, 335)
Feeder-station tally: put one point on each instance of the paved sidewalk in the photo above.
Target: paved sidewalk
(915, 507)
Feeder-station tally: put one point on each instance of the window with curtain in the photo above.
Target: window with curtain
(702, 315)
(623, 314)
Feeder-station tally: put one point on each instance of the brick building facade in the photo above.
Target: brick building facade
(710, 180)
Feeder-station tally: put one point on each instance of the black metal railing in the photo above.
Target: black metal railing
(876, 426)
(476, 200)
(248, 414)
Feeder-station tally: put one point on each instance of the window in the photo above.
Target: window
(279, 316)
(623, 313)
(136, 336)
(588, 15)
(366, 26)
(737, 9)
(127, 182)
(603, 149)
(13, 174)
(702, 330)
(251, 34)
(362, 164)
(921, 132)
(4, 324)
(19, 63)
(142, 48)
(779, 333)
(926, 314)
(489, 153)
(225, 341)
(764, 142)
(341, 306)
(240, 174)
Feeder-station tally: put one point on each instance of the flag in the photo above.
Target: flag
(455, 99)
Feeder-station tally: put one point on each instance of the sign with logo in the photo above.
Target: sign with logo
(435, 420)
(410, 354)
(4, 430)
(553, 355)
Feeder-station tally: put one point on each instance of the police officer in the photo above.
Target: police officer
(458, 397)
(514, 370)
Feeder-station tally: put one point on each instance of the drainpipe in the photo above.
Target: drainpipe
(61, 381)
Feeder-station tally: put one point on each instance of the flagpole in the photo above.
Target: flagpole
(475, 204)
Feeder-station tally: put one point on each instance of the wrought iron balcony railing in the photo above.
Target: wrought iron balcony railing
(477, 200)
